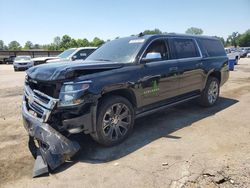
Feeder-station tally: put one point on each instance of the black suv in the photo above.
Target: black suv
(124, 79)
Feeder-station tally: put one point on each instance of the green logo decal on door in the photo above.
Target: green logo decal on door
(154, 90)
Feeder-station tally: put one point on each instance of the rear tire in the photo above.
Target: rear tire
(211, 92)
(115, 120)
(236, 61)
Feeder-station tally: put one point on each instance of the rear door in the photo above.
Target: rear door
(190, 65)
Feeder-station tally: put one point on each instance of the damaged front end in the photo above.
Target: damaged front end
(50, 147)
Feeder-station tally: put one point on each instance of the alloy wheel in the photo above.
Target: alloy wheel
(213, 92)
(116, 121)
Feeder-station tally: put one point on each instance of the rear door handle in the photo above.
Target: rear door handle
(173, 69)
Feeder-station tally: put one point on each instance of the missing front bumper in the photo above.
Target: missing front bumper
(53, 148)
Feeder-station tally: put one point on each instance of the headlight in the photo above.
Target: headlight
(72, 93)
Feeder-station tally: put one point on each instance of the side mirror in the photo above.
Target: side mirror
(152, 56)
(73, 58)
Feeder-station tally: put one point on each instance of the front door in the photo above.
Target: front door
(159, 77)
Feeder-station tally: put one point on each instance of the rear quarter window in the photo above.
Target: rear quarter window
(186, 48)
(212, 48)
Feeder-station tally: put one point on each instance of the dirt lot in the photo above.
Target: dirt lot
(185, 146)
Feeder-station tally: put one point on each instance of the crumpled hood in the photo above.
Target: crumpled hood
(63, 70)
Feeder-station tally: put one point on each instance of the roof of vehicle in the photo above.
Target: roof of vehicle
(172, 35)
(90, 47)
(82, 48)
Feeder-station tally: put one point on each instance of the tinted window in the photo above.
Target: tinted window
(66, 53)
(83, 54)
(213, 47)
(186, 48)
(158, 46)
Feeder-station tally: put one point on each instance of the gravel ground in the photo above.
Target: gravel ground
(184, 146)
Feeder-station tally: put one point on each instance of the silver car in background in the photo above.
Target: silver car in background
(22, 63)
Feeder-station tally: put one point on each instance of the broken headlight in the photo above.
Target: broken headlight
(72, 93)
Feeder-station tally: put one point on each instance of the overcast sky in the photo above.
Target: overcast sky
(41, 20)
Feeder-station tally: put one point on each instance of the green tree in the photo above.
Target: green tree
(152, 32)
(28, 45)
(194, 31)
(244, 39)
(37, 46)
(97, 42)
(233, 39)
(56, 43)
(14, 45)
(73, 43)
(45, 46)
(1, 45)
(65, 42)
(82, 42)
(51, 46)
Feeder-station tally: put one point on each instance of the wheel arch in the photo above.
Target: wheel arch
(126, 93)
(213, 73)
(216, 74)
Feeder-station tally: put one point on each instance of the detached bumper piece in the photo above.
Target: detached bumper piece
(52, 148)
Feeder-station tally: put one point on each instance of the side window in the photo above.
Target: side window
(186, 48)
(158, 46)
(83, 54)
(213, 47)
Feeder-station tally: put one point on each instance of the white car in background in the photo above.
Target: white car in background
(73, 54)
(22, 63)
(42, 60)
(233, 54)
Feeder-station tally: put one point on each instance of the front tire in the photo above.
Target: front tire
(115, 120)
(211, 92)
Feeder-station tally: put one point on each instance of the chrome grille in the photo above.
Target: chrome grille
(38, 103)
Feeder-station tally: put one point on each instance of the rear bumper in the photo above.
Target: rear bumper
(53, 146)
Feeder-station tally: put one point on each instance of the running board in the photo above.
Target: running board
(164, 107)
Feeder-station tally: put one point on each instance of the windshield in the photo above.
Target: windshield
(66, 53)
(22, 58)
(122, 50)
